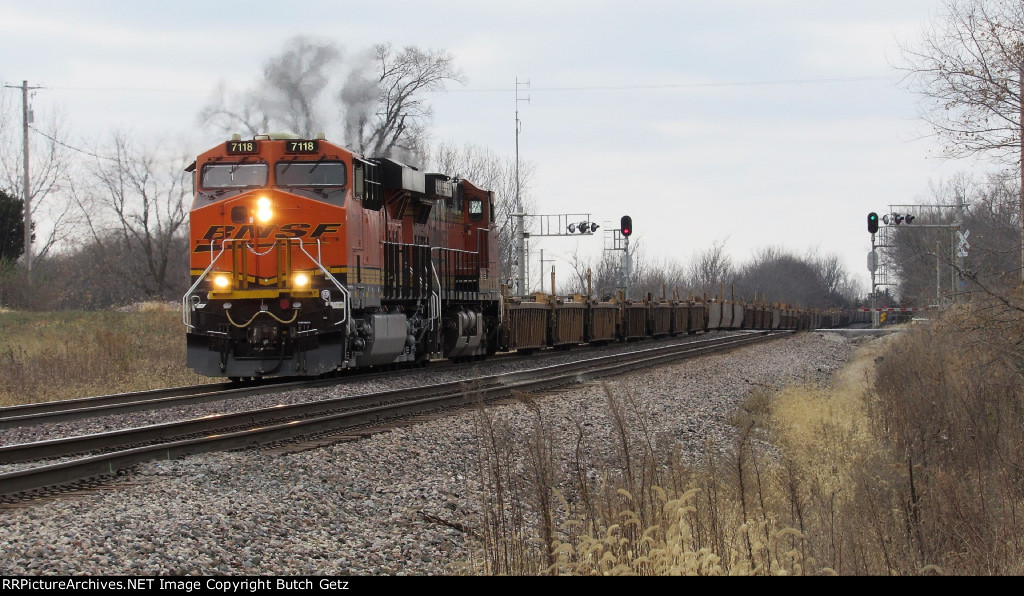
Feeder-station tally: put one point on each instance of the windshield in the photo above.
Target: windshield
(233, 175)
(310, 173)
(222, 180)
(320, 179)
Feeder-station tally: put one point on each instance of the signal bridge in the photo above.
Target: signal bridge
(918, 217)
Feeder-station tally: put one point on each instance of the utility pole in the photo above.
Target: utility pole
(520, 232)
(27, 196)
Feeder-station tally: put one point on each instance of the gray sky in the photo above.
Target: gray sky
(757, 123)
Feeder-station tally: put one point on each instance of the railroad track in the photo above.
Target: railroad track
(105, 454)
(124, 403)
(27, 415)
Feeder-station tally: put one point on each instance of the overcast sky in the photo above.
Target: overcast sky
(757, 123)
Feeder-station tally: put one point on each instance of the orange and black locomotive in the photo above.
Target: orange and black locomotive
(308, 258)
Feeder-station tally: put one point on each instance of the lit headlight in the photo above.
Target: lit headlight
(263, 211)
(301, 280)
(222, 281)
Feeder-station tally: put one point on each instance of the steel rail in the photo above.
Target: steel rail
(24, 452)
(26, 415)
(360, 411)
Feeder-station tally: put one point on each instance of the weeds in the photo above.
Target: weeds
(51, 356)
(911, 462)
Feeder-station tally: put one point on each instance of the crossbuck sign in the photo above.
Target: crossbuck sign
(963, 247)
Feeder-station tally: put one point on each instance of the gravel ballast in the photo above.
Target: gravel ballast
(395, 503)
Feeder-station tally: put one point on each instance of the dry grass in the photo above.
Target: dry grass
(64, 355)
(911, 462)
(951, 405)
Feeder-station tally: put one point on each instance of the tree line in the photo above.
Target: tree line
(773, 274)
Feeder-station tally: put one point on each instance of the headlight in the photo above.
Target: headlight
(301, 280)
(263, 211)
(222, 281)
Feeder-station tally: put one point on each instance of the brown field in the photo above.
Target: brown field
(47, 356)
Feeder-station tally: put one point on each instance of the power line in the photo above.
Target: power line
(653, 86)
(137, 89)
(63, 144)
(777, 82)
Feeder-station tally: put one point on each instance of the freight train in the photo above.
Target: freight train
(307, 258)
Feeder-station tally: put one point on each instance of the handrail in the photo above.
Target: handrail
(344, 291)
(435, 298)
(184, 299)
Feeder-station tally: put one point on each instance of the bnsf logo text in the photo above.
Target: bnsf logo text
(255, 232)
(292, 230)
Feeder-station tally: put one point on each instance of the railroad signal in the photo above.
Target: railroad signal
(626, 225)
(895, 219)
(584, 227)
(872, 222)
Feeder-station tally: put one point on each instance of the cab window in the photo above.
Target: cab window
(320, 179)
(224, 179)
(476, 210)
(233, 175)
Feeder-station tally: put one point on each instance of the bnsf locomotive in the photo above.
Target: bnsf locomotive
(307, 258)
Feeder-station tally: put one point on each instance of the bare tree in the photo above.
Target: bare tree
(969, 70)
(609, 275)
(836, 281)
(711, 268)
(661, 278)
(51, 161)
(403, 80)
(140, 203)
(581, 271)
(992, 214)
